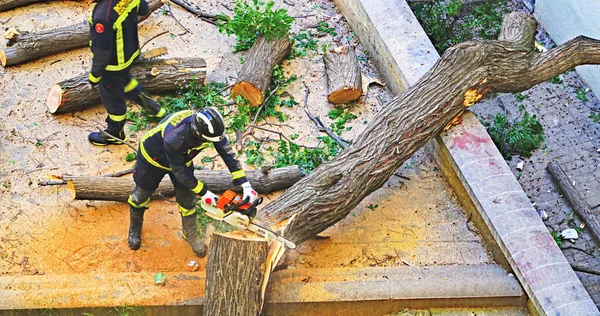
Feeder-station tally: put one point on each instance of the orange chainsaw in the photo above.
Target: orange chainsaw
(232, 209)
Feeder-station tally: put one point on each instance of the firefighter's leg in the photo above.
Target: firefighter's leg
(138, 203)
(147, 179)
(186, 203)
(135, 91)
(113, 97)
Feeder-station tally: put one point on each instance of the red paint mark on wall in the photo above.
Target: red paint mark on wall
(469, 141)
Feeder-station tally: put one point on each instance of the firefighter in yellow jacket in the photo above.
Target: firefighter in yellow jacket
(115, 46)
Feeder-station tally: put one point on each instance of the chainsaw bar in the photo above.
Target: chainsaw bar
(239, 220)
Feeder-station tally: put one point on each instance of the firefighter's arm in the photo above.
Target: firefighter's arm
(143, 8)
(103, 39)
(235, 167)
(228, 155)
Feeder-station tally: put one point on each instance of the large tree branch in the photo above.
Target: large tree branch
(461, 77)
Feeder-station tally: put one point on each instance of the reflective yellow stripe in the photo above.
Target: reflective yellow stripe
(143, 204)
(94, 79)
(90, 43)
(125, 65)
(238, 174)
(184, 211)
(198, 187)
(120, 46)
(131, 85)
(160, 113)
(117, 118)
(90, 20)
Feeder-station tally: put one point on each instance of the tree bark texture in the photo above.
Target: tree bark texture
(173, 74)
(461, 77)
(255, 76)
(32, 46)
(118, 188)
(579, 205)
(344, 81)
(235, 273)
(11, 4)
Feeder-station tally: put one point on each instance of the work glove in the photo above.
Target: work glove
(210, 198)
(93, 80)
(249, 194)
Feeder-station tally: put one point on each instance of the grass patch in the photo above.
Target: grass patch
(517, 136)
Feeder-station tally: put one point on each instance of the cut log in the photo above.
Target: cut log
(255, 76)
(461, 77)
(578, 204)
(11, 4)
(173, 74)
(235, 273)
(32, 46)
(344, 80)
(118, 189)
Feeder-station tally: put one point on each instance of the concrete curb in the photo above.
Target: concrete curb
(538, 263)
(290, 292)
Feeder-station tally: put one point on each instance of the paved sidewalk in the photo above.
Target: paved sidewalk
(573, 140)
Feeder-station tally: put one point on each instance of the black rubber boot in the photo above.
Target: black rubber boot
(136, 220)
(190, 233)
(150, 105)
(114, 129)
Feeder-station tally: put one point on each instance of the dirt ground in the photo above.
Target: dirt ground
(43, 231)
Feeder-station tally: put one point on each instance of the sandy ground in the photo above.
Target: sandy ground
(43, 231)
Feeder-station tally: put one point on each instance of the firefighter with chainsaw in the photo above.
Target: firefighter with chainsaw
(169, 149)
(115, 46)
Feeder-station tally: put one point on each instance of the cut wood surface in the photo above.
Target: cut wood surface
(173, 74)
(32, 46)
(235, 272)
(344, 80)
(255, 76)
(461, 77)
(118, 189)
(578, 204)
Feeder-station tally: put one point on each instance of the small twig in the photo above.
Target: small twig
(117, 138)
(51, 182)
(176, 20)
(279, 125)
(401, 176)
(54, 62)
(281, 135)
(166, 198)
(226, 7)
(262, 106)
(303, 16)
(291, 4)
(153, 37)
(120, 173)
(318, 122)
(6, 20)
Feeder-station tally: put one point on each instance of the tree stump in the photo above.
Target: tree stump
(344, 80)
(173, 74)
(255, 76)
(235, 274)
(118, 188)
(32, 46)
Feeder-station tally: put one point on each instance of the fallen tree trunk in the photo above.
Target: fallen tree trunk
(173, 74)
(578, 204)
(11, 4)
(461, 77)
(255, 76)
(237, 265)
(344, 81)
(32, 46)
(118, 189)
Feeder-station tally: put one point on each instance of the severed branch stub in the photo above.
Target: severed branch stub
(344, 78)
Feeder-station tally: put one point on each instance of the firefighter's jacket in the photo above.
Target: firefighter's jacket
(171, 146)
(114, 35)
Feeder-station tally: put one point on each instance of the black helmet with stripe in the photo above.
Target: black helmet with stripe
(208, 124)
